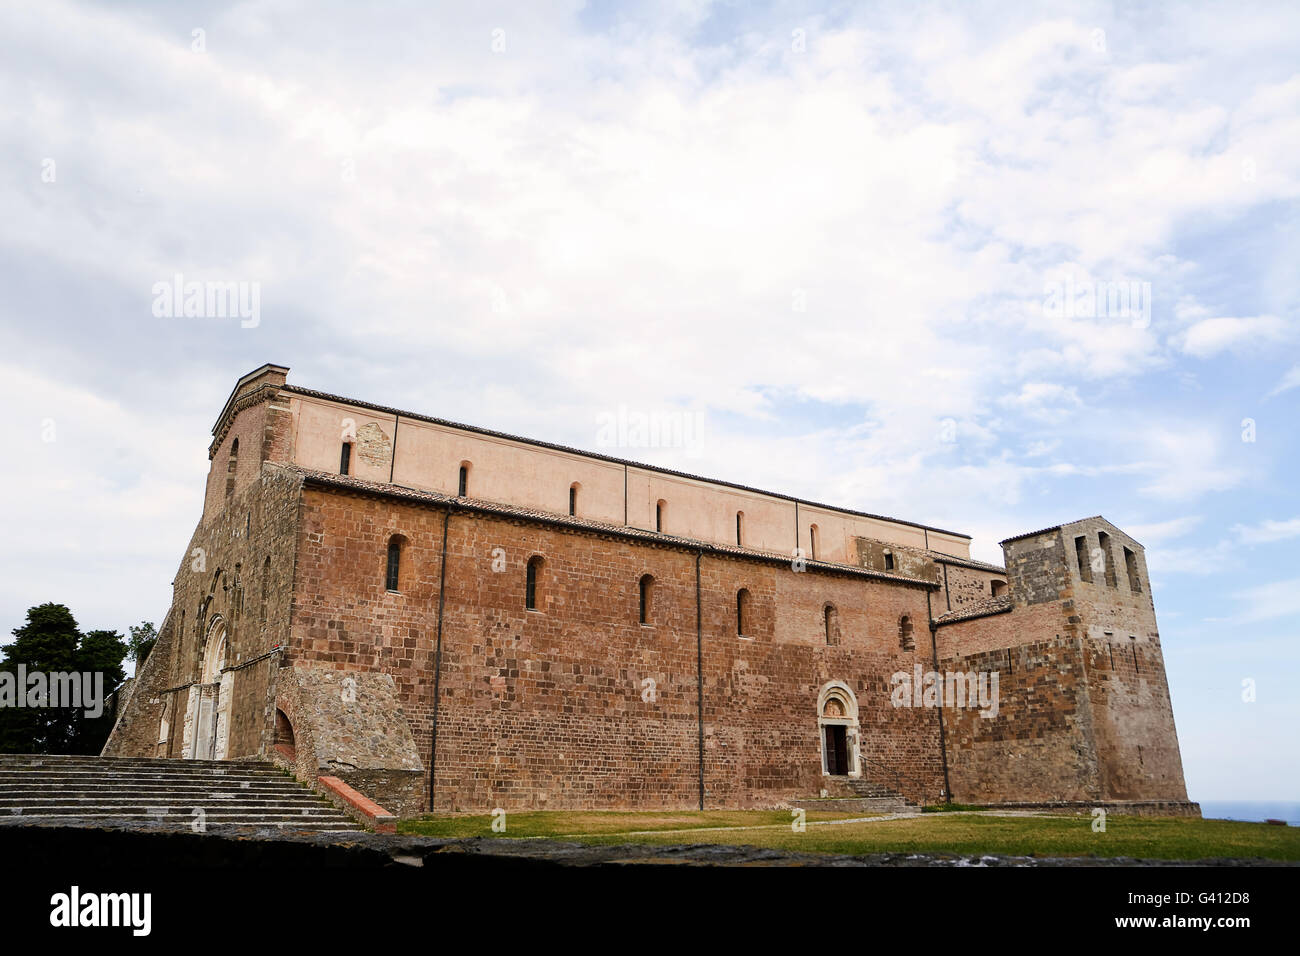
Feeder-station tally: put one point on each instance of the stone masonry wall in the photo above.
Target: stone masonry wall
(1039, 745)
(1096, 718)
(577, 704)
(238, 572)
(961, 586)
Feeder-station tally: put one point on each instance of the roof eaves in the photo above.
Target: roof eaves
(419, 496)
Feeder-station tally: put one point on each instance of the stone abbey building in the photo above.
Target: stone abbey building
(446, 616)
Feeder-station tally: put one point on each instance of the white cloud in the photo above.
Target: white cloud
(1045, 401)
(1209, 337)
(1268, 601)
(1267, 531)
(1288, 381)
(1161, 531)
(526, 239)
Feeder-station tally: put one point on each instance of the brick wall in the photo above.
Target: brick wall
(551, 707)
(1039, 746)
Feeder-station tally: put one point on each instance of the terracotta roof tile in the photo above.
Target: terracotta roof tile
(993, 605)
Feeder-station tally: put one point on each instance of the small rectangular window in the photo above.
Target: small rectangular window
(1131, 565)
(1107, 559)
(345, 458)
(393, 576)
(1081, 555)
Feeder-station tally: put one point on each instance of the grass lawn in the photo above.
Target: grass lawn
(574, 823)
(954, 833)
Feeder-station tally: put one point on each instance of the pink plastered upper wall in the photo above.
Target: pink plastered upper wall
(428, 455)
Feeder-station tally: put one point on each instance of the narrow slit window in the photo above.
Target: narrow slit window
(573, 499)
(740, 529)
(1081, 555)
(812, 542)
(742, 612)
(1107, 559)
(659, 514)
(462, 483)
(1131, 566)
(831, 623)
(232, 467)
(532, 583)
(393, 575)
(266, 585)
(647, 595)
(345, 458)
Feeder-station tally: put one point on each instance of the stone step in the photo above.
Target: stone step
(108, 791)
(24, 760)
(162, 766)
(186, 821)
(158, 799)
(855, 804)
(90, 777)
(80, 790)
(144, 808)
(163, 793)
(94, 781)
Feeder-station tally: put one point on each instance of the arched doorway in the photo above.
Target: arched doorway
(837, 724)
(284, 741)
(210, 699)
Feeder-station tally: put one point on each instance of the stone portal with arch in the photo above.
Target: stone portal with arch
(837, 727)
(207, 714)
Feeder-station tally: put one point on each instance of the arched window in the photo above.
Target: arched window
(743, 612)
(647, 595)
(740, 529)
(831, 623)
(345, 458)
(533, 583)
(393, 576)
(573, 498)
(905, 639)
(812, 541)
(231, 466)
(462, 483)
(660, 507)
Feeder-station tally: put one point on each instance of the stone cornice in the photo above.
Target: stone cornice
(263, 393)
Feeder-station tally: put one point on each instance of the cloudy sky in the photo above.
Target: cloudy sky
(860, 242)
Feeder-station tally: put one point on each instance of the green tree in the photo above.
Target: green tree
(50, 642)
(99, 652)
(141, 642)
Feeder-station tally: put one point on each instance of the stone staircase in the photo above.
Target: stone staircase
(180, 794)
(880, 797)
(853, 795)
